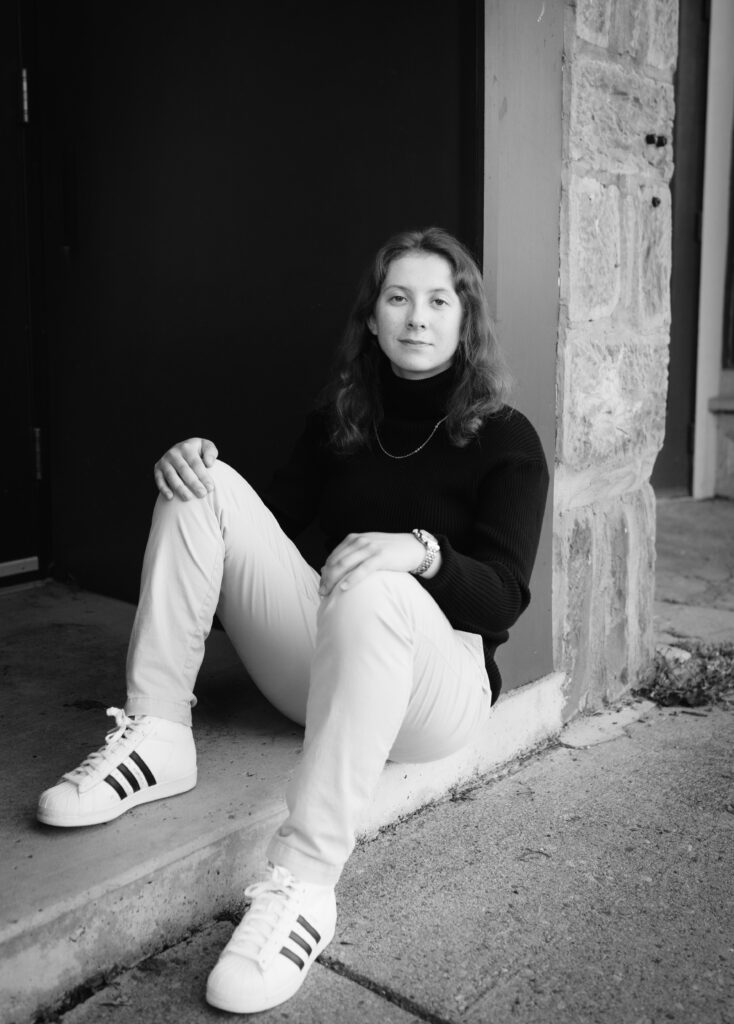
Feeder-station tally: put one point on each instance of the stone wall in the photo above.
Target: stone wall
(613, 337)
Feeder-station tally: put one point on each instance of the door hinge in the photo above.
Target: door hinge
(24, 95)
(37, 451)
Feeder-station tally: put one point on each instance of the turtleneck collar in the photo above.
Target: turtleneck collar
(415, 399)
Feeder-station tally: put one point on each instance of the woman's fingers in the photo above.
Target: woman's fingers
(353, 546)
(169, 482)
(343, 560)
(191, 471)
(209, 453)
(363, 569)
(353, 541)
(183, 470)
(360, 554)
(356, 552)
(160, 482)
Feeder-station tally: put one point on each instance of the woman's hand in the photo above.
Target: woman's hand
(360, 554)
(183, 469)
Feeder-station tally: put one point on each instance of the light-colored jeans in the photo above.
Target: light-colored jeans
(374, 673)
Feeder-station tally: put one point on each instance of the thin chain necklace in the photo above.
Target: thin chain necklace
(415, 450)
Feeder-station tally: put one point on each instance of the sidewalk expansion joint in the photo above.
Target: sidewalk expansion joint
(383, 991)
(77, 996)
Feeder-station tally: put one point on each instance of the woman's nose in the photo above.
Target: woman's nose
(416, 318)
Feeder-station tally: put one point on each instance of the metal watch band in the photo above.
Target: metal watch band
(431, 551)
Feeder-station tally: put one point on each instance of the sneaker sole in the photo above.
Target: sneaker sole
(158, 792)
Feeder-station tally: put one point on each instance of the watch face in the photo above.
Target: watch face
(428, 541)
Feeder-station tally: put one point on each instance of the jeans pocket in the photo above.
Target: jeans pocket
(473, 643)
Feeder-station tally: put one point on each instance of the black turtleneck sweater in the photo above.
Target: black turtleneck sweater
(483, 502)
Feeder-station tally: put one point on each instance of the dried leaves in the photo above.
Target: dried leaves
(692, 675)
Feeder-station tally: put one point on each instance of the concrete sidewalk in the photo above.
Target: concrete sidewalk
(694, 575)
(590, 885)
(531, 894)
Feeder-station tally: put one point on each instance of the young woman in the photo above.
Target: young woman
(430, 492)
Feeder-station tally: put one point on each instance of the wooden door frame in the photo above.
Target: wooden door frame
(715, 225)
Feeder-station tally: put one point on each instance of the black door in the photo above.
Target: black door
(19, 538)
(216, 177)
(673, 468)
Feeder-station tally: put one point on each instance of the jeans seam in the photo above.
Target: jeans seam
(201, 615)
(425, 637)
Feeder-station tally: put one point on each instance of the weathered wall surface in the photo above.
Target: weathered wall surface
(613, 337)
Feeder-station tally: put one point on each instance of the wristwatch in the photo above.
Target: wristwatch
(432, 547)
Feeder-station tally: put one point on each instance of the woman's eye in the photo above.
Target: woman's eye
(440, 302)
(396, 299)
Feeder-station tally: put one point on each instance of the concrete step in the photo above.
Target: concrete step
(81, 903)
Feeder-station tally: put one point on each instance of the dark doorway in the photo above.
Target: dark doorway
(215, 178)
(19, 537)
(673, 469)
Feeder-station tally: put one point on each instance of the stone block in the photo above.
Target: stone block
(603, 597)
(614, 392)
(583, 487)
(594, 280)
(608, 631)
(631, 35)
(647, 32)
(578, 604)
(663, 46)
(628, 544)
(573, 593)
(653, 257)
(630, 269)
(646, 256)
(640, 512)
(593, 20)
(614, 109)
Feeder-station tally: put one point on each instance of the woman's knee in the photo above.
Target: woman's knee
(223, 475)
(230, 495)
(229, 485)
(382, 593)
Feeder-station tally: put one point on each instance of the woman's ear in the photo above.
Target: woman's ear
(372, 324)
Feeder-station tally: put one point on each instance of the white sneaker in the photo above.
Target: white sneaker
(266, 961)
(143, 759)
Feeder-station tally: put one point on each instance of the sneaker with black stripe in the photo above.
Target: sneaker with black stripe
(143, 759)
(266, 961)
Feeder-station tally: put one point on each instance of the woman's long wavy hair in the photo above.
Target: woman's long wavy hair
(481, 379)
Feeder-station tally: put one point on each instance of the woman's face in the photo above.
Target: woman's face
(417, 316)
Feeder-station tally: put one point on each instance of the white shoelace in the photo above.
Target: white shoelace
(269, 918)
(99, 759)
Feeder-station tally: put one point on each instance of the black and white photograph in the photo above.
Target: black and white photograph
(367, 549)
